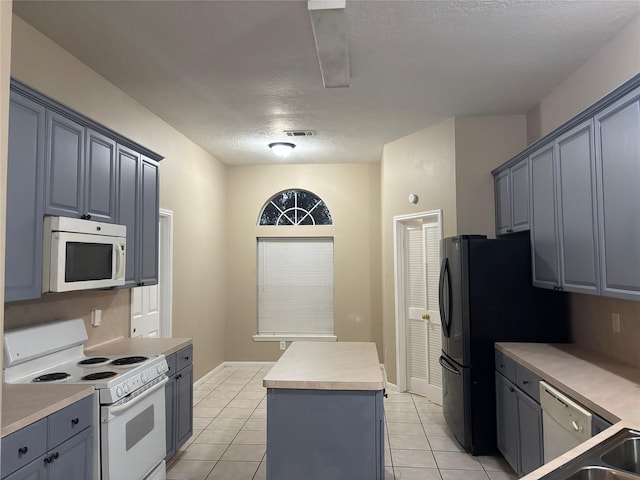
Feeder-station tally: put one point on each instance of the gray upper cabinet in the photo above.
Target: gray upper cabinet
(25, 174)
(544, 234)
(100, 178)
(64, 166)
(577, 211)
(128, 208)
(618, 176)
(512, 198)
(62, 163)
(149, 221)
(137, 209)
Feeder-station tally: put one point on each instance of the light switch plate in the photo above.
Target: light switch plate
(283, 345)
(96, 317)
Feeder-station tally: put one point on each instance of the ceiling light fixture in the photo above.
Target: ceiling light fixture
(282, 149)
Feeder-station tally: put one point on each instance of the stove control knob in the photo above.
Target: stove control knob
(144, 377)
(126, 388)
(159, 369)
(119, 391)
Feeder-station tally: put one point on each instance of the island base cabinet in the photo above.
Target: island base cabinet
(322, 434)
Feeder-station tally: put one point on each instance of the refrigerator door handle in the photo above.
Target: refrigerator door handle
(447, 366)
(445, 274)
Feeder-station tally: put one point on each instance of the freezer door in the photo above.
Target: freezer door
(456, 390)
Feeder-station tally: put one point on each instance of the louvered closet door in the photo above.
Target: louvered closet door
(423, 316)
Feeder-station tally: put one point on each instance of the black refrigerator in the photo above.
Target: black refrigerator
(486, 296)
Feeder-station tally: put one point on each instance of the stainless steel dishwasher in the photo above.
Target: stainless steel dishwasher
(565, 424)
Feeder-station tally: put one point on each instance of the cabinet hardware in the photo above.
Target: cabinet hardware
(511, 390)
(75, 421)
(23, 450)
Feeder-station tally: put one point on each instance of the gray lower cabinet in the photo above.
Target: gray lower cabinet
(321, 434)
(179, 399)
(137, 208)
(59, 447)
(617, 133)
(24, 204)
(512, 198)
(519, 418)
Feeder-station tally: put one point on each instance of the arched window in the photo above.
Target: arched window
(295, 207)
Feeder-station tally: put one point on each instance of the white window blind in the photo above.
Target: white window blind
(295, 286)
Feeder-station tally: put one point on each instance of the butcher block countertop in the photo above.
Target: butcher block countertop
(139, 346)
(24, 404)
(327, 366)
(607, 387)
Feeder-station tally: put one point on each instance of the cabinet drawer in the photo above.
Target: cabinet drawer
(171, 361)
(65, 423)
(23, 446)
(184, 357)
(528, 381)
(506, 366)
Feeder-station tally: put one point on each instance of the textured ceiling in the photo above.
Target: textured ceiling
(232, 75)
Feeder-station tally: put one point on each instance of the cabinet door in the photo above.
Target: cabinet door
(507, 420)
(149, 224)
(529, 434)
(503, 202)
(618, 173)
(100, 178)
(184, 405)
(73, 458)
(36, 470)
(577, 217)
(170, 393)
(520, 196)
(544, 247)
(128, 206)
(64, 170)
(25, 174)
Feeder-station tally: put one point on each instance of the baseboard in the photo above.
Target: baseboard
(205, 378)
(392, 387)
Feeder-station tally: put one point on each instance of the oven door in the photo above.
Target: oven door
(133, 435)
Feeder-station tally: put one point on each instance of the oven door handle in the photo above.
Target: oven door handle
(125, 406)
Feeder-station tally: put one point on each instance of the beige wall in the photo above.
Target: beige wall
(482, 144)
(5, 70)
(352, 194)
(422, 163)
(191, 185)
(612, 65)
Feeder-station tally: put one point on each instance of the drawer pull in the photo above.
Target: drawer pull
(511, 390)
(525, 382)
(23, 450)
(186, 358)
(56, 455)
(75, 421)
(502, 365)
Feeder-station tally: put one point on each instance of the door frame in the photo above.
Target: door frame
(165, 275)
(399, 269)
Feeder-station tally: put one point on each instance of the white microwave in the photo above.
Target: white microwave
(82, 254)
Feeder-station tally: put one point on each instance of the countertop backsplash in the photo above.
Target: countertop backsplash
(591, 327)
(115, 306)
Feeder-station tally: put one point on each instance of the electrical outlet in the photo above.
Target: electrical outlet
(96, 317)
(615, 322)
(283, 345)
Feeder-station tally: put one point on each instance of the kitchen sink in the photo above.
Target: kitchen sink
(600, 473)
(616, 458)
(625, 456)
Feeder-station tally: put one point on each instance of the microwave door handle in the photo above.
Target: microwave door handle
(125, 406)
(120, 261)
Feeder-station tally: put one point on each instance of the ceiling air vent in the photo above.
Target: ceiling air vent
(300, 133)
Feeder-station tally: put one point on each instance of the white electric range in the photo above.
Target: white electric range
(130, 393)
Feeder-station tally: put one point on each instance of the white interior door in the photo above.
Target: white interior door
(423, 328)
(145, 311)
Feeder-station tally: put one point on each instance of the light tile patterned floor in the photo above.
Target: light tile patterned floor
(229, 436)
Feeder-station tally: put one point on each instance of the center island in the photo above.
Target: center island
(325, 413)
